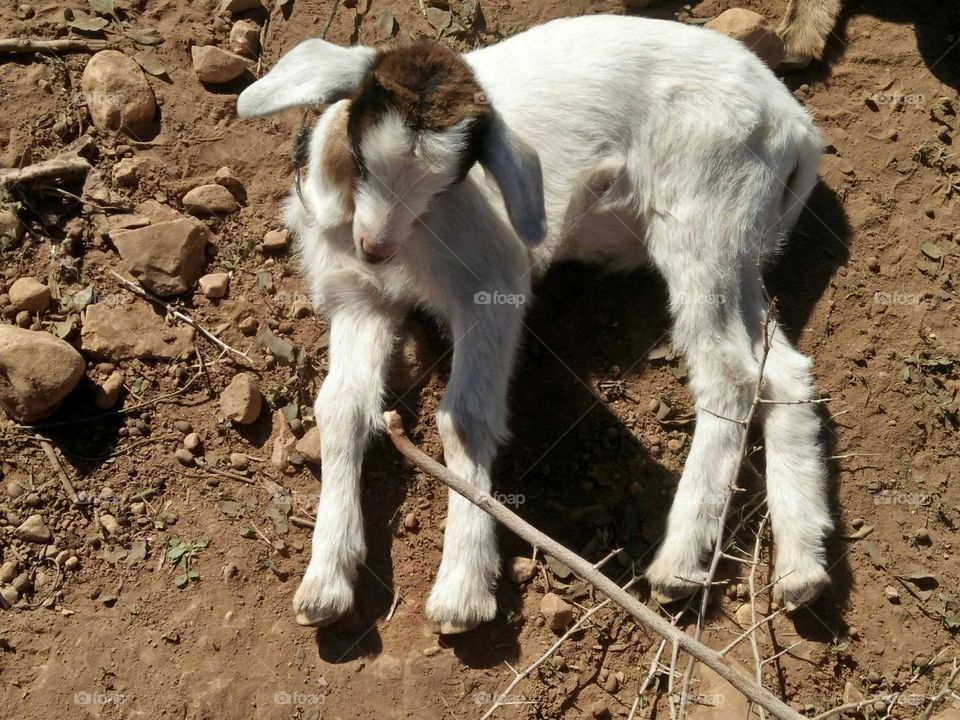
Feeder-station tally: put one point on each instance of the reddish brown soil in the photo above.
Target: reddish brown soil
(117, 638)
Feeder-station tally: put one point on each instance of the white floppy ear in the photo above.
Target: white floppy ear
(515, 166)
(314, 72)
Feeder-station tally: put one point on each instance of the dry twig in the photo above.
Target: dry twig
(16, 46)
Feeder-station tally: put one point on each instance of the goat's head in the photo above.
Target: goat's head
(417, 121)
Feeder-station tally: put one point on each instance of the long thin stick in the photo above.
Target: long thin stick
(14, 46)
(64, 478)
(585, 570)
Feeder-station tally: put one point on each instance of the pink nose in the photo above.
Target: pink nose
(373, 251)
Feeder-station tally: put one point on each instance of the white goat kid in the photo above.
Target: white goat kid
(447, 181)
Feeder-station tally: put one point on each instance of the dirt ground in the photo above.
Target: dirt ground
(867, 287)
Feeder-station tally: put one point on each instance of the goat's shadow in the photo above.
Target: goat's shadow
(583, 475)
(937, 27)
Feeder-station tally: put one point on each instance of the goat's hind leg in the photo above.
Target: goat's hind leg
(711, 329)
(796, 474)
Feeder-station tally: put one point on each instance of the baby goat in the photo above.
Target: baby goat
(449, 181)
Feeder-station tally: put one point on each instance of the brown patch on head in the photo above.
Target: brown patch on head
(429, 86)
(336, 157)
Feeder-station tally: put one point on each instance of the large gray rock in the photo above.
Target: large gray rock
(167, 257)
(122, 332)
(117, 93)
(37, 370)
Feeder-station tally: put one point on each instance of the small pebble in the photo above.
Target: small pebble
(410, 521)
(183, 426)
(192, 443)
(184, 457)
(892, 594)
(239, 461)
(923, 537)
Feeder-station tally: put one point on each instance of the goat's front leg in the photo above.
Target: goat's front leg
(347, 412)
(472, 422)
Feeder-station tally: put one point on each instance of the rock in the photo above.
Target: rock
(300, 309)
(214, 65)
(245, 37)
(283, 444)
(276, 240)
(923, 537)
(37, 370)
(410, 521)
(109, 524)
(109, 391)
(182, 426)
(157, 212)
(521, 569)
(892, 594)
(210, 199)
(166, 257)
(236, 6)
(248, 326)
(11, 229)
(599, 710)
(193, 443)
(30, 294)
(33, 530)
(10, 595)
(612, 683)
(231, 182)
(9, 571)
(239, 461)
(752, 30)
(215, 285)
(309, 446)
(126, 173)
(117, 93)
(557, 612)
(184, 457)
(129, 331)
(72, 563)
(241, 401)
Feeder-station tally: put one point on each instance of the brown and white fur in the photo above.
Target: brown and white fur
(448, 182)
(805, 28)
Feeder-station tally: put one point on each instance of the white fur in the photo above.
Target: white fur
(658, 143)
